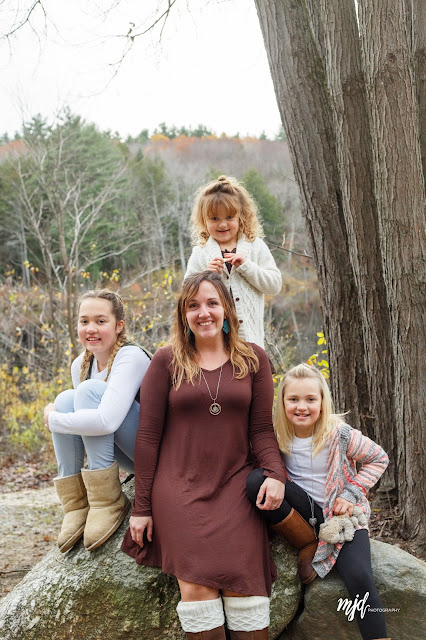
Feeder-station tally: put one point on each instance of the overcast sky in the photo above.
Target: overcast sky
(209, 67)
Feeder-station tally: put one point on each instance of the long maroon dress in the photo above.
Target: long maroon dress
(190, 475)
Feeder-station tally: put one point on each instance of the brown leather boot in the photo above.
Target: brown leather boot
(261, 634)
(301, 535)
(214, 634)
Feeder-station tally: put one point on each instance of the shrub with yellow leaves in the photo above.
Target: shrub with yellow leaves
(319, 359)
(21, 415)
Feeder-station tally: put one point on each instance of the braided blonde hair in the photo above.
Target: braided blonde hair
(119, 314)
(229, 194)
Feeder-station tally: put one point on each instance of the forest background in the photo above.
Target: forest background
(81, 208)
(349, 79)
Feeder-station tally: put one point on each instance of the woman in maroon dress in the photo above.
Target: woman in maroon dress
(205, 423)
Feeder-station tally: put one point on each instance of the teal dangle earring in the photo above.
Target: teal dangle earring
(225, 326)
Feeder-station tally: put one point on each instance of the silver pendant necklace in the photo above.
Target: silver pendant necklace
(215, 407)
(312, 520)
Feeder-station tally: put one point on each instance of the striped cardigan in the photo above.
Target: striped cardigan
(347, 447)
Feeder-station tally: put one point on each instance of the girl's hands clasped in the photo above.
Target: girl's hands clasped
(217, 264)
(271, 495)
(138, 525)
(236, 259)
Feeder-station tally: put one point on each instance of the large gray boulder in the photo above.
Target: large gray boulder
(104, 595)
(401, 580)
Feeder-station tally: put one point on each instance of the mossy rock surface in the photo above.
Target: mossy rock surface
(401, 581)
(105, 595)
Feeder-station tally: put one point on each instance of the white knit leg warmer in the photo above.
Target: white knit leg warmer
(246, 614)
(202, 615)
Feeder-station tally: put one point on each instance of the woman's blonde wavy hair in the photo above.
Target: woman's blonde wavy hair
(117, 307)
(225, 193)
(184, 362)
(325, 424)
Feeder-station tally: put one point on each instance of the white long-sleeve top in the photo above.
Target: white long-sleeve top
(250, 282)
(127, 371)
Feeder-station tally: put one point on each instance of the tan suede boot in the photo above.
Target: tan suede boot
(218, 633)
(72, 494)
(301, 535)
(108, 505)
(261, 634)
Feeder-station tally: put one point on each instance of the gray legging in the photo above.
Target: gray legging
(353, 562)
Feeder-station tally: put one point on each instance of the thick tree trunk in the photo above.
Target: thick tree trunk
(300, 86)
(400, 196)
(353, 144)
(351, 111)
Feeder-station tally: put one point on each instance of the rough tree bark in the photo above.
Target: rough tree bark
(400, 195)
(300, 86)
(346, 86)
(350, 107)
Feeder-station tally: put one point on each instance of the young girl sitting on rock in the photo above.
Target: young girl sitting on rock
(100, 416)
(325, 494)
(229, 241)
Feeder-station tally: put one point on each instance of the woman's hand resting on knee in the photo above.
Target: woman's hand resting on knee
(271, 495)
(138, 526)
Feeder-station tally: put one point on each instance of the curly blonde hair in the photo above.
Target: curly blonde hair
(325, 424)
(119, 314)
(184, 362)
(225, 193)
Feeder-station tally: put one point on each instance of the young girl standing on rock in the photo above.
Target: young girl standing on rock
(228, 234)
(320, 453)
(99, 416)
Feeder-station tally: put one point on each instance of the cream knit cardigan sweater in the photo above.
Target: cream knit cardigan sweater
(250, 282)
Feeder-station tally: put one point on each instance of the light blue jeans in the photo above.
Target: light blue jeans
(101, 450)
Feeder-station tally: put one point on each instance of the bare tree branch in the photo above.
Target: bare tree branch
(25, 20)
(164, 16)
(296, 253)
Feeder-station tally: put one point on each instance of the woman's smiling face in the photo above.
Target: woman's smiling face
(205, 313)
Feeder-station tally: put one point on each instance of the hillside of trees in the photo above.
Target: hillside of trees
(80, 208)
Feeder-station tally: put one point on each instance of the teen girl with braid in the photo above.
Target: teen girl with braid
(321, 454)
(99, 416)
